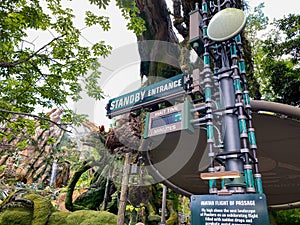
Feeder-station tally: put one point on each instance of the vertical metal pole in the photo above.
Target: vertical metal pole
(124, 190)
(208, 80)
(230, 125)
(251, 130)
(163, 204)
(242, 118)
(104, 203)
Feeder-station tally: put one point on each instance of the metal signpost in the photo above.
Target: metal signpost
(170, 119)
(147, 96)
(238, 198)
(235, 185)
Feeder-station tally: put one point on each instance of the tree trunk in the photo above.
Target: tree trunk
(124, 190)
(157, 58)
(105, 198)
(69, 198)
(159, 27)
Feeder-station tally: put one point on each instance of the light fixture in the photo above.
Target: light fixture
(226, 24)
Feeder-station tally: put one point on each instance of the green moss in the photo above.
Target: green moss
(42, 209)
(155, 218)
(58, 217)
(173, 218)
(152, 214)
(87, 217)
(82, 217)
(2, 168)
(23, 216)
(16, 216)
(44, 213)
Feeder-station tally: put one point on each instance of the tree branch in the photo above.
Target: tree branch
(60, 125)
(19, 61)
(86, 165)
(179, 20)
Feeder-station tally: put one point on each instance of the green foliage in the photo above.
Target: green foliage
(91, 19)
(84, 217)
(58, 218)
(257, 20)
(276, 57)
(131, 13)
(84, 180)
(283, 81)
(287, 217)
(100, 3)
(279, 57)
(58, 70)
(285, 37)
(14, 216)
(136, 24)
(44, 76)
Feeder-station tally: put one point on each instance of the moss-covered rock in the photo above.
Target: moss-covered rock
(92, 217)
(16, 216)
(59, 217)
(17, 211)
(23, 216)
(82, 217)
(42, 208)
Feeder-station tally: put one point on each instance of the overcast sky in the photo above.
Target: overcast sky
(124, 75)
(127, 77)
(277, 8)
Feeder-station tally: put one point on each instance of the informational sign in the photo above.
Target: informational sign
(236, 209)
(170, 119)
(146, 96)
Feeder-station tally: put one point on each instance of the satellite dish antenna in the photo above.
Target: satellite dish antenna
(226, 24)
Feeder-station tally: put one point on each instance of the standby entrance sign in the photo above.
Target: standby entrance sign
(236, 209)
(166, 89)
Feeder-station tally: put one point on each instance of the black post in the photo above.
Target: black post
(230, 126)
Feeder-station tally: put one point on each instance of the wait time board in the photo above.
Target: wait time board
(174, 118)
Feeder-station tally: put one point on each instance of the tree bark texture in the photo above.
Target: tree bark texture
(159, 27)
(158, 58)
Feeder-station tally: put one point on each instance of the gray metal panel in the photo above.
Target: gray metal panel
(278, 139)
